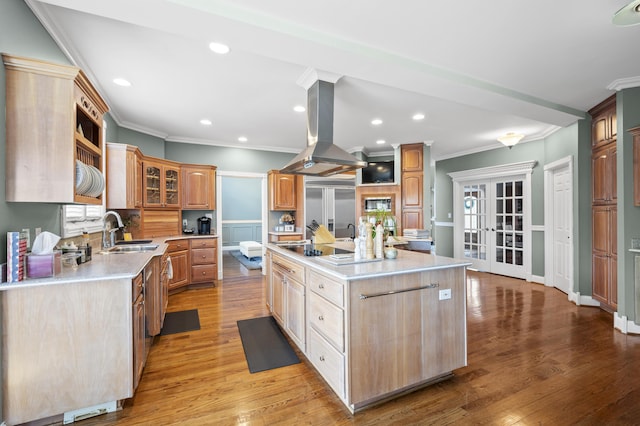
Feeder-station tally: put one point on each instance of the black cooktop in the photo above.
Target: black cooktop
(315, 250)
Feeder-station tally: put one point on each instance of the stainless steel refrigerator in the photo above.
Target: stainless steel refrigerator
(333, 206)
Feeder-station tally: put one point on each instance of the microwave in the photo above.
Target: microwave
(378, 203)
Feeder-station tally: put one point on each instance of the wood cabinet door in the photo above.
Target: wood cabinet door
(180, 266)
(138, 339)
(603, 179)
(295, 320)
(412, 157)
(152, 183)
(171, 187)
(139, 183)
(412, 219)
(601, 223)
(412, 185)
(198, 186)
(282, 192)
(600, 277)
(278, 287)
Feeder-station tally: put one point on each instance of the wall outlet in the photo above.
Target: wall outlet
(38, 231)
(209, 215)
(184, 223)
(449, 215)
(445, 294)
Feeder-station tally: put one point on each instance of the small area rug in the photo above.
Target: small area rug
(265, 347)
(181, 321)
(253, 263)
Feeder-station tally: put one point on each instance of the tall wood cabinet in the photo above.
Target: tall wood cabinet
(53, 120)
(412, 157)
(604, 204)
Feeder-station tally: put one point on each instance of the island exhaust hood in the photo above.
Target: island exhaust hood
(321, 157)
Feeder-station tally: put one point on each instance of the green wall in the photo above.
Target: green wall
(227, 159)
(21, 34)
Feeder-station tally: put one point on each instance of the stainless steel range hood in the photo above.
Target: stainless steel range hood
(321, 157)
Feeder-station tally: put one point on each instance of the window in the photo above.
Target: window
(77, 218)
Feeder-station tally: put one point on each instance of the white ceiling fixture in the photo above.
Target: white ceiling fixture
(376, 121)
(417, 117)
(510, 139)
(122, 82)
(299, 108)
(242, 139)
(205, 122)
(381, 141)
(628, 15)
(219, 48)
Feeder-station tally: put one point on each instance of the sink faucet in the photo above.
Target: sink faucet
(111, 241)
(353, 233)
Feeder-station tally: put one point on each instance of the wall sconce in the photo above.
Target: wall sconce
(510, 139)
(628, 15)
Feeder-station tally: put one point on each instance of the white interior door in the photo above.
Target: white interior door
(562, 247)
(476, 225)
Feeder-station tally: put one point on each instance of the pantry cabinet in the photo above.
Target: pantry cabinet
(56, 109)
(412, 156)
(198, 187)
(161, 182)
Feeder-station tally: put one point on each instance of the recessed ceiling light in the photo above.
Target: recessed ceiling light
(299, 108)
(121, 82)
(381, 141)
(219, 48)
(418, 116)
(376, 121)
(242, 139)
(205, 122)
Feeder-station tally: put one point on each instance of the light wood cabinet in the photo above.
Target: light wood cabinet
(204, 253)
(604, 204)
(288, 298)
(198, 187)
(282, 191)
(161, 181)
(178, 250)
(138, 329)
(412, 157)
(124, 176)
(36, 93)
(155, 223)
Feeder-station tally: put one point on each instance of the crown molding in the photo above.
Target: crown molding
(624, 83)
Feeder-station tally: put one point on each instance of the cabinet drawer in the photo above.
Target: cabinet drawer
(327, 288)
(327, 319)
(137, 286)
(203, 243)
(289, 268)
(328, 361)
(204, 256)
(203, 273)
(177, 245)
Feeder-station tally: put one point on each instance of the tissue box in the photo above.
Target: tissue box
(44, 265)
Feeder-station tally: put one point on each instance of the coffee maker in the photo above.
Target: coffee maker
(204, 225)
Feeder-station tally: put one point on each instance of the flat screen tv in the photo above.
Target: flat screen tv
(378, 172)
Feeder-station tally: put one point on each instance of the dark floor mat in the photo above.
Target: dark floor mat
(265, 347)
(181, 321)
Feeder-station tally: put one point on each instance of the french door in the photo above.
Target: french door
(494, 225)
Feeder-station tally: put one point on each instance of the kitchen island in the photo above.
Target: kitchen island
(372, 329)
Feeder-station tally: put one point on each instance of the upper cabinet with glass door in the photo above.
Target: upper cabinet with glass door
(54, 133)
(161, 184)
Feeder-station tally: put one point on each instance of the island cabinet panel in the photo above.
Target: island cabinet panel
(288, 292)
(66, 347)
(327, 319)
(328, 361)
(418, 339)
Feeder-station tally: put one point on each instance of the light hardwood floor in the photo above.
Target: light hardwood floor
(534, 358)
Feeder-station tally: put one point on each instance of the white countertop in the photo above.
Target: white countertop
(406, 262)
(110, 266)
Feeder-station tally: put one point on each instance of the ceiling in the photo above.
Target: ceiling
(476, 70)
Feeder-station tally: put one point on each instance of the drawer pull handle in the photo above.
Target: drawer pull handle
(291, 271)
(320, 317)
(204, 273)
(204, 257)
(386, 293)
(322, 358)
(321, 286)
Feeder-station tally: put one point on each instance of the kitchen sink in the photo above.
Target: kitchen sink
(132, 242)
(130, 248)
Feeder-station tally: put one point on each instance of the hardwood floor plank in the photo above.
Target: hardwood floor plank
(534, 358)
